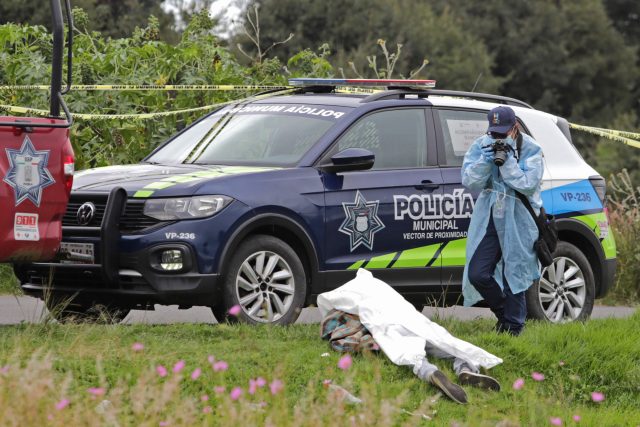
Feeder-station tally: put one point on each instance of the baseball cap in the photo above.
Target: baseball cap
(501, 119)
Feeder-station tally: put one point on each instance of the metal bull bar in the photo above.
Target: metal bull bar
(110, 236)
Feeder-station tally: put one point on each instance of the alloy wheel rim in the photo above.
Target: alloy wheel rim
(562, 291)
(265, 286)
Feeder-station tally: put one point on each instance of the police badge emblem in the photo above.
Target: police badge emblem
(361, 222)
(28, 174)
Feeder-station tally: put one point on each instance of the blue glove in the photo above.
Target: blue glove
(488, 154)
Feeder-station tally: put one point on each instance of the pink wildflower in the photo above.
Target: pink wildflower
(207, 410)
(62, 404)
(204, 397)
(261, 382)
(537, 376)
(236, 393)
(325, 383)
(518, 384)
(561, 363)
(179, 366)
(235, 310)
(345, 362)
(137, 346)
(196, 374)
(577, 418)
(220, 366)
(163, 423)
(50, 417)
(253, 386)
(219, 389)
(161, 370)
(555, 421)
(211, 359)
(596, 396)
(4, 369)
(276, 386)
(96, 391)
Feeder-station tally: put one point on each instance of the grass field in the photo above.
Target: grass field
(8, 282)
(53, 374)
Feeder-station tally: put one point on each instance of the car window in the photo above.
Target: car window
(398, 138)
(459, 129)
(266, 135)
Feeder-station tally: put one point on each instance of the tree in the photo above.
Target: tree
(113, 18)
(456, 59)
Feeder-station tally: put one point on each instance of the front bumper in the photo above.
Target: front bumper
(136, 286)
(123, 279)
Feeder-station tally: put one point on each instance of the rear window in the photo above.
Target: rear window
(254, 134)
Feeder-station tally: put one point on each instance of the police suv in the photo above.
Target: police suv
(267, 203)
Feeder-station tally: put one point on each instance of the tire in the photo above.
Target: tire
(275, 296)
(69, 311)
(567, 297)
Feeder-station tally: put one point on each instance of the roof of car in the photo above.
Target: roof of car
(437, 97)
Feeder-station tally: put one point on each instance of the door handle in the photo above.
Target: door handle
(427, 185)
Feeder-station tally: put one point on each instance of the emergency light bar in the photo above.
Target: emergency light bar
(302, 82)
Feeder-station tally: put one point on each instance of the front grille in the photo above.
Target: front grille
(132, 220)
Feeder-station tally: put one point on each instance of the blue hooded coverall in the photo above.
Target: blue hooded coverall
(515, 228)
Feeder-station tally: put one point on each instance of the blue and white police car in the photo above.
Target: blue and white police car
(267, 203)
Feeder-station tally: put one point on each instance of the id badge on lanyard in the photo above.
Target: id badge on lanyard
(499, 206)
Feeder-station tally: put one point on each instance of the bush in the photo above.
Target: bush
(625, 222)
(198, 59)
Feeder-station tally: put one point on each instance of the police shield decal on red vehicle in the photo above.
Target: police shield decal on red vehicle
(28, 174)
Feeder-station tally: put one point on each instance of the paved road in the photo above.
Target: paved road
(14, 310)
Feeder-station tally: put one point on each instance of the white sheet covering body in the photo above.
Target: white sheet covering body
(399, 329)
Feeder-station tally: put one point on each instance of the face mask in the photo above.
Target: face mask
(510, 141)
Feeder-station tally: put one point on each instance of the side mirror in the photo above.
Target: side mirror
(350, 159)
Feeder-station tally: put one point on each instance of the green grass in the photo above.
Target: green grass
(48, 362)
(8, 281)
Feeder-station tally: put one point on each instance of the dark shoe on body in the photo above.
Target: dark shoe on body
(478, 380)
(452, 390)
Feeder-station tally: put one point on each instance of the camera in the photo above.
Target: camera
(501, 151)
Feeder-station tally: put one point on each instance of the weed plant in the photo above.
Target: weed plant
(625, 222)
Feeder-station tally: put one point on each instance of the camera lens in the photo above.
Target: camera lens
(496, 135)
(500, 158)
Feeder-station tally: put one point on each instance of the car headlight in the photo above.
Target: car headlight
(185, 207)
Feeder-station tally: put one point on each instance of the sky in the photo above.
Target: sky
(228, 9)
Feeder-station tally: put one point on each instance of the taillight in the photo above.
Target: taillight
(600, 186)
(69, 168)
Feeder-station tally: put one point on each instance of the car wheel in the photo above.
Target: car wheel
(566, 289)
(67, 311)
(267, 280)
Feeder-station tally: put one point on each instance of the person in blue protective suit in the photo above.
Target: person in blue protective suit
(501, 262)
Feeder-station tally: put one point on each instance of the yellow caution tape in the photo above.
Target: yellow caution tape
(149, 87)
(622, 133)
(138, 116)
(609, 134)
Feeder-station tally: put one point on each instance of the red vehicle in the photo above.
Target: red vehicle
(36, 168)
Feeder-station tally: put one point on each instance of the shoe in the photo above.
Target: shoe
(503, 328)
(452, 390)
(478, 380)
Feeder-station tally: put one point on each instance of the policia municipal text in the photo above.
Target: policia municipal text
(501, 262)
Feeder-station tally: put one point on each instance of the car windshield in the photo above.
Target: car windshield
(253, 134)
